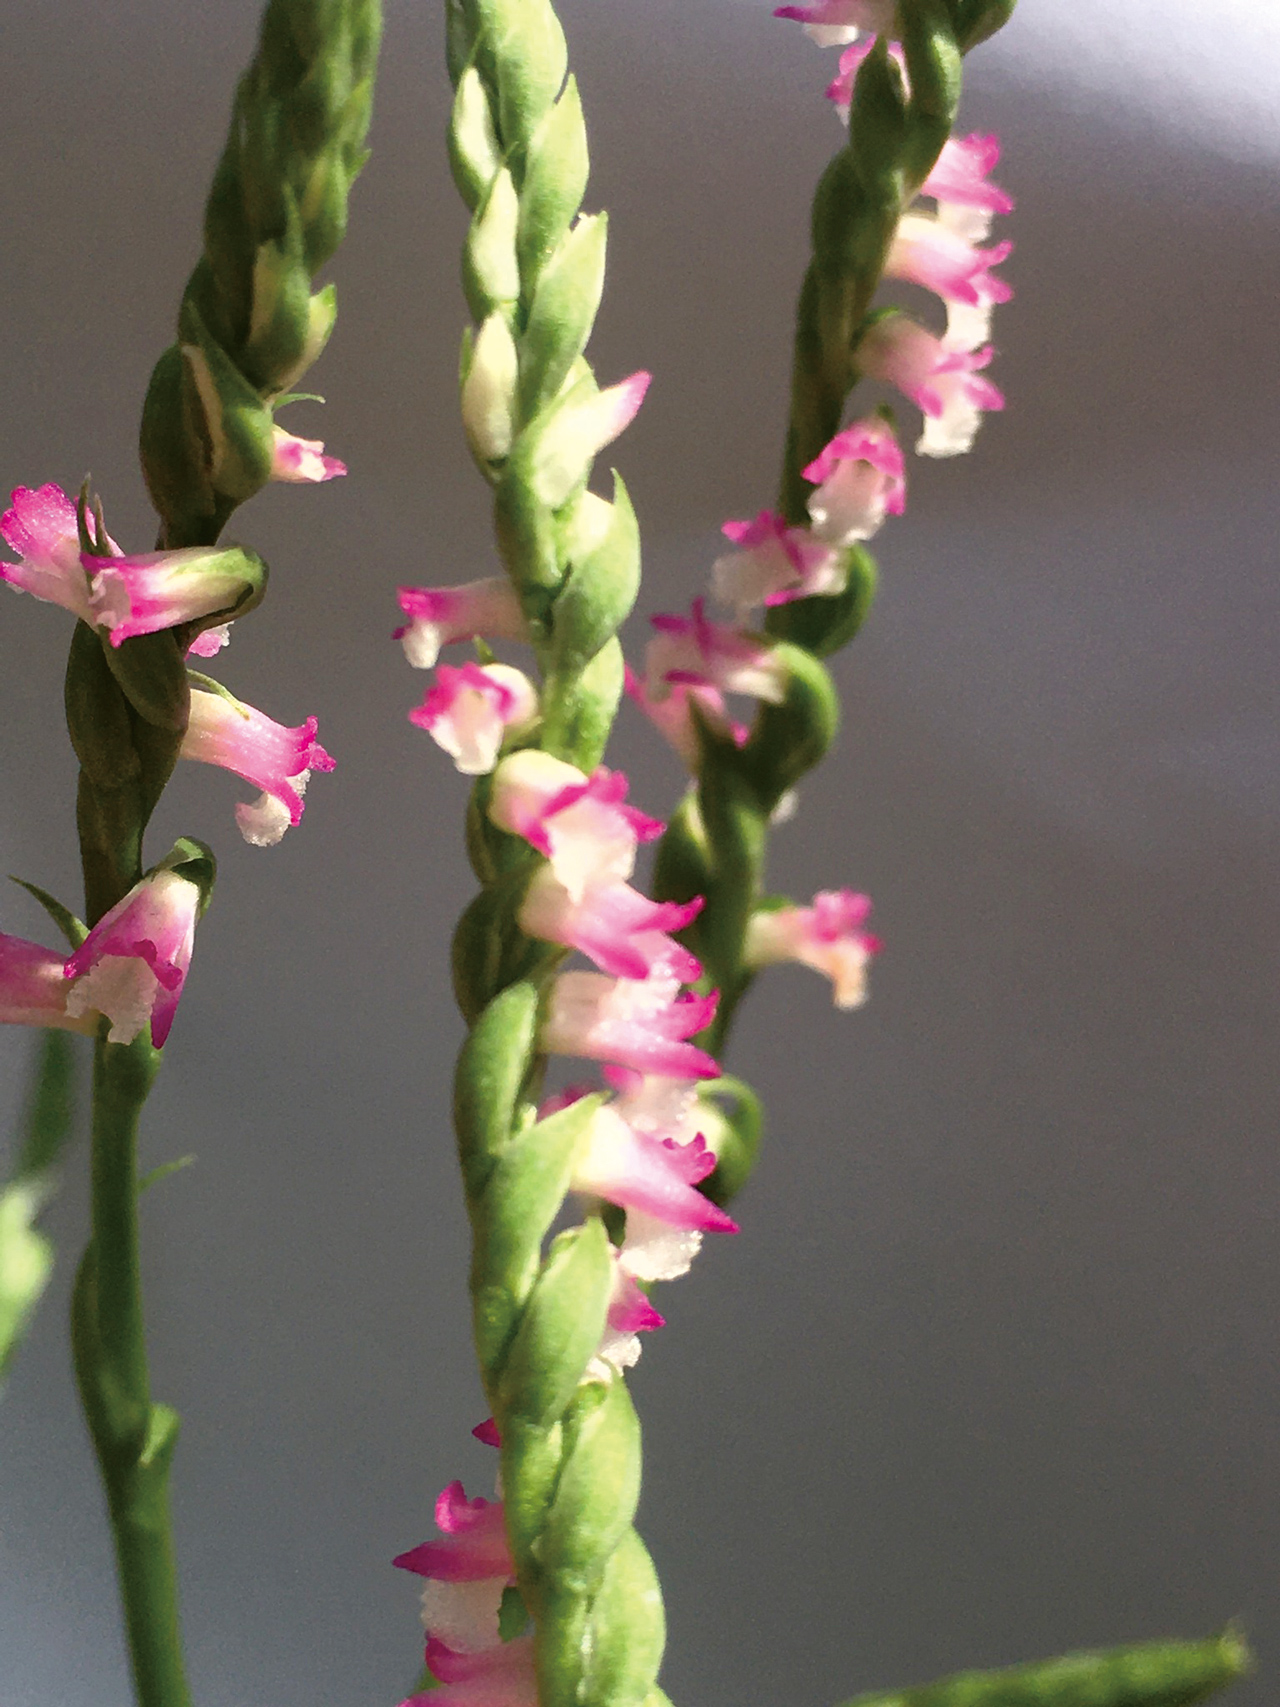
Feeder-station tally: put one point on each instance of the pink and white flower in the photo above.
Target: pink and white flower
(929, 252)
(774, 563)
(471, 710)
(581, 823)
(961, 185)
(946, 384)
(831, 22)
(692, 651)
(672, 714)
(828, 936)
(210, 641)
(300, 460)
(502, 1676)
(33, 987)
(860, 478)
(633, 1022)
(578, 431)
(840, 89)
(440, 615)
(623, 931)
(466, 1570)
(277, 759)
(161, 589)
(132, 965)
(40, 525)
(655, 1176)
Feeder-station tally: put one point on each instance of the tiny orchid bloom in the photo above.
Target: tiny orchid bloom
(299, 460)
(651, 1250)
(695, 652)
(132, 965)
(161, 589)
(632, 1022)
(827, 936)
(41, 527)
(860, 480)
(961, 185)
(33, 987)
(470, 710)
(669, 1108)
(211, 641)
(575, 434)
(833, 22)
(840, 89)
(774, 563)
(440, 615)
(672, 714)
(276, 759)
(501, 1676)
(929, 252)
(656, 1176)
(581, 824)
(623, 931)
(487, 1433)
(944, 383)
(466, 1571)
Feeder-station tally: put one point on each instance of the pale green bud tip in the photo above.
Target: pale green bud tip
(578, 431)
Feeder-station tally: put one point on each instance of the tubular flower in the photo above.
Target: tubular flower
(672, 714)
(774, 564)
(582, 824)
(470, 710)
(693, 652)
(840, 89)
(40, 525)
(623, 931)
(580, 428)
(656, 1176)
(132, 965)
(827, 936)
(33, 987)
(961, 185)
(276, 759)
(502, 1676)
(651, 1250)
(928, 251)
(466, 1569)
(860, 480)
(160, 589)
(299, 460)
(632, 1022)
(832, 22)
(944, 383)
(440, 615)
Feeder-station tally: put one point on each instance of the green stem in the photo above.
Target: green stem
(133, 1438)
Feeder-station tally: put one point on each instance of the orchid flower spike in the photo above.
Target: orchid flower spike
(132, 965)
(466, 1571)
(833, 22)
(774, 563)
(621, 930)
(33, 987)
(41, 526)
(946, 384)
(695, 652)
(633, 1022)
(827, 936)
(278, 760)
(470, 711)
(581, 824)
(298, 460)
(487, 609)
(673, 714)
(164, 589)
(860, 480)
(502, 1676)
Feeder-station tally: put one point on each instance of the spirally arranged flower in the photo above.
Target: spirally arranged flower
(132, 965)
(438, 616)
(833, 22)
(40, 525)
(278, 760)
(469, 712)
(773, 564)
(947, 385)
(828, 936)
(34, 988)
(860, 479)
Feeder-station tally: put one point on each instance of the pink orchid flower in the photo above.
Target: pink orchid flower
(278, 760)
(945, 384)
(298, 460)
(774, 563)
(580, 823)
(132, 965)
(33, 987)
(439, 616)
(633, 1022)
(695, 652)
(860, 478)
(832, 22)
(471, 710)
(621, 930)
(161, 589)
(502, 1676)
(827, 936)
(961, 185)
(466, 1570)
(40, 525)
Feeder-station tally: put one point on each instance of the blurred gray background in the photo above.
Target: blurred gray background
(990, 1371)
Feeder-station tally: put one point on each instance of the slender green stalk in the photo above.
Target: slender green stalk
(134, 1438)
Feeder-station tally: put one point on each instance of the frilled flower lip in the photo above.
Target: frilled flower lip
(132, 965)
